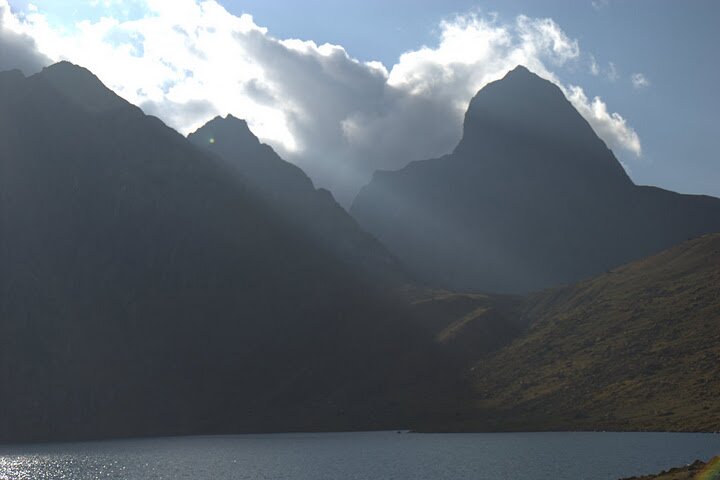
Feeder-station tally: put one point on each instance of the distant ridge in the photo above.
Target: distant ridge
(530, 198)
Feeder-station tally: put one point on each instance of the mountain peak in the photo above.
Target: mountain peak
(520, 70)
(523, 76)
(530, 198)
(232, 118)
(229, 119)
(524, 117)
(64, 67)
(81, 86)
(520, 98)
(228, 130)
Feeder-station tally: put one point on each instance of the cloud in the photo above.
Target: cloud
(594, 67)
(612, 72)
(17, 50)
(337, 117)
(639, 80)
(610, 126)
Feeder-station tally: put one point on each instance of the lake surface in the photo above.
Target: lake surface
(356, 456)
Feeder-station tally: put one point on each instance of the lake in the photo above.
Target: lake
(359, 456)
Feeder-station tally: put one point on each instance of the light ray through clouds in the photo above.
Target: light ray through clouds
(340, 119)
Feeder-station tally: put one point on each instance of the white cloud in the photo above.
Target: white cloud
(594, 67)
(611, 127)
(612, 72)
(599, 4)
(340, 119)
(639, 80)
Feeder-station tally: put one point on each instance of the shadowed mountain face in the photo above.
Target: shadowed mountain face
(530, 198)
(289, 192)
(149, 287)
(154, 285)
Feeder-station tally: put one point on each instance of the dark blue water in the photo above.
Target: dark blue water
(356, 456)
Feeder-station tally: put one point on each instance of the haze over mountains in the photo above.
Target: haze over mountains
(155, 284)
(530, 198)
(149, 287)
(290, 194)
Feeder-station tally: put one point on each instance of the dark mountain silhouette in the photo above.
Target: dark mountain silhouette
(155, 285)
(530, 198)
(148, 287)
(291, 195)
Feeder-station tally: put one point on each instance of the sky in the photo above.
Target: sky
(346, 88)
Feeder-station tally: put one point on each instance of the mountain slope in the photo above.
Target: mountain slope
(635, 348)
(696, 470)
(147, 288)
(292, 196)
(530, 198)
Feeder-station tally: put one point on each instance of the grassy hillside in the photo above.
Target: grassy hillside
(637, 348)
(468, 325)
(697, 470)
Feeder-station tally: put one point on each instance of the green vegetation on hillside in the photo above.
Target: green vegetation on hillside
(468, 325)
(637, 348)
(696, 471)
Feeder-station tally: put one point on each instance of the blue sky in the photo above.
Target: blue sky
(671, 43)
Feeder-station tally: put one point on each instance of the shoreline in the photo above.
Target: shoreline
(688, 472)
(398, 431)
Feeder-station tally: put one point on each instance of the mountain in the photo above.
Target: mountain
(635, 348)
(291, 195)
(530, 198)
(149, 287)
(152, 284)
(468, 326)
